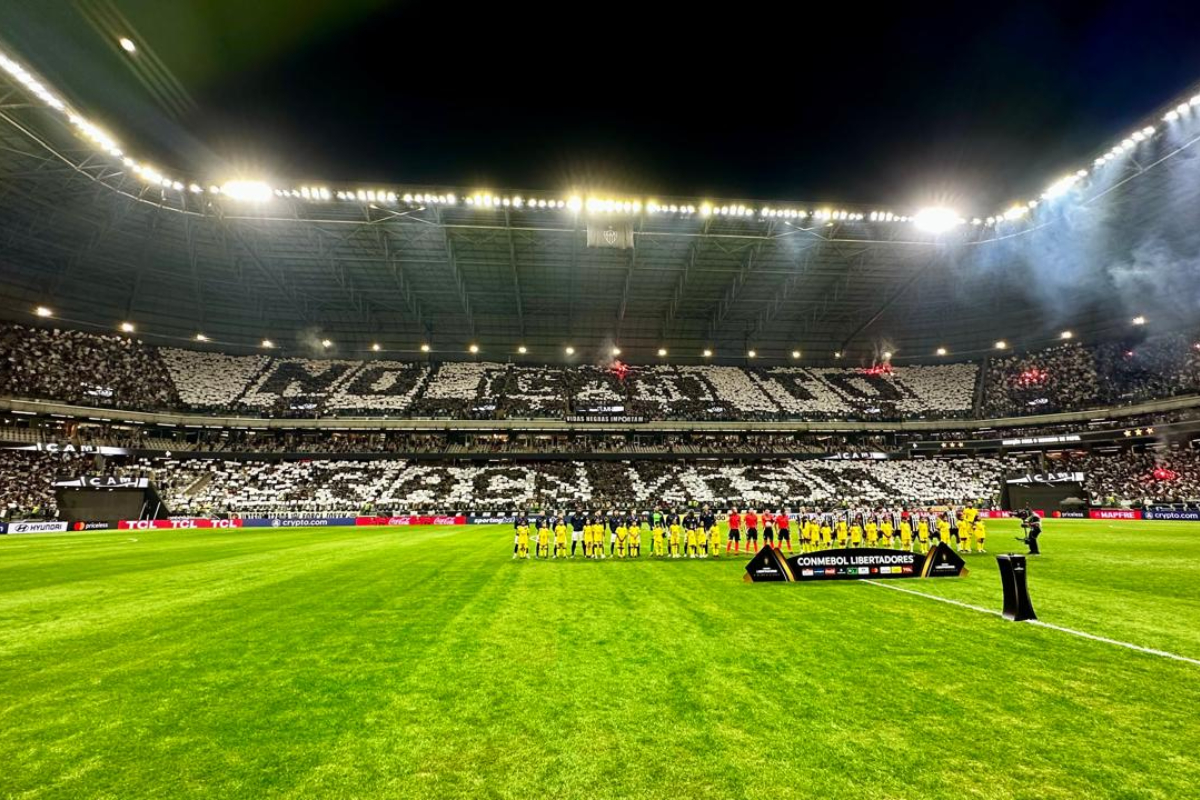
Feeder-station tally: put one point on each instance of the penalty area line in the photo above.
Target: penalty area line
(1040, 624)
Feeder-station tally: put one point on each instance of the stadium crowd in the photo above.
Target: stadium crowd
(1070, 376)
(214, 485)
(121, 372)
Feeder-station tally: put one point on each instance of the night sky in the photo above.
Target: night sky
(973, 104)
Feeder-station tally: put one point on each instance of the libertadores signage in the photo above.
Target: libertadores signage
(854, 563)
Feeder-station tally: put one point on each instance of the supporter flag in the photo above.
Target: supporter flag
(613, 234)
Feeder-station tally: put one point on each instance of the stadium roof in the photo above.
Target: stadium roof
(101, 238)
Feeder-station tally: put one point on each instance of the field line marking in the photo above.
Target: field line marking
(931, 597)
(1039, 623)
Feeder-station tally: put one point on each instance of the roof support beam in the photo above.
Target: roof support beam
(464, 298)
(516, 273)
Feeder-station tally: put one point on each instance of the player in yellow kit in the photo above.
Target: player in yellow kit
(543, 537)
(843, 532)
(886, 533)
(522, 538)
(943, 527)
(637, 527)
(966, 528)
(690, 523)
(658, 544)
(923, 533)
(560, 537)
(595, 536)
(980, 531)
(872, 531)
(856, 533)
(826, 534)
(622, 538)
(714, 541)
(906, 537)
(674, 533)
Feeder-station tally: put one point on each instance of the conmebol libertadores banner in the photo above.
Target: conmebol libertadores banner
(854, 563)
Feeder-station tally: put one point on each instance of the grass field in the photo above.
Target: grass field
(424, 662)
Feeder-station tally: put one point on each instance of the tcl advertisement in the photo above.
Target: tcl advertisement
(1114, 513)
(174, 524)
(459, 520)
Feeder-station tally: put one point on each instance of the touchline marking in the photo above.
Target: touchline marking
(1039, 623)
(931, 597)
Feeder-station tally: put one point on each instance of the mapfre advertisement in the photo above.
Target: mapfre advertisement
(1114, 513)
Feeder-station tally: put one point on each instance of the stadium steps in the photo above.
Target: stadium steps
(198, 485)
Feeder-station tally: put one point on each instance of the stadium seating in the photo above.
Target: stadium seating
(260, 487)
(116, 371)
(84, 368)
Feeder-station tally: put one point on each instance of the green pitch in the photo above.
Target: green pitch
(424, 662)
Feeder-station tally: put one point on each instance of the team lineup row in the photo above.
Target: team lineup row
(699, 535)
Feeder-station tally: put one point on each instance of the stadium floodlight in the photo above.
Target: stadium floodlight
(522, 349)
(662, 351)
(127, 327)
(424, 348)
(1139, 320)
(575, 204)
(473, 348)
(42, 311)
(936, 220)
(708, 353)
(752, 353)
(616, 351)
(376, 348)
(795, 354)
(1066, 335)
(570, 350)
(127, 44)
(1001, 345)
(1060, 187)
(247, 191)
(941, 351)
(887, 354)
(326, 343)
(837, 353)
(200, 337)
(268, 344)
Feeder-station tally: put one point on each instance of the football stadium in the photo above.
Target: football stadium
(370, 474)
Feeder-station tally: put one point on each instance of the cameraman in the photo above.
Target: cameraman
(1032, 524)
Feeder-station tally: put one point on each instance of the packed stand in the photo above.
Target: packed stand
(83, 368)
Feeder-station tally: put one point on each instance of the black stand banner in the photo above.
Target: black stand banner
(768, 565)
(943, 562)
(855, 563)
(1017, 605)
